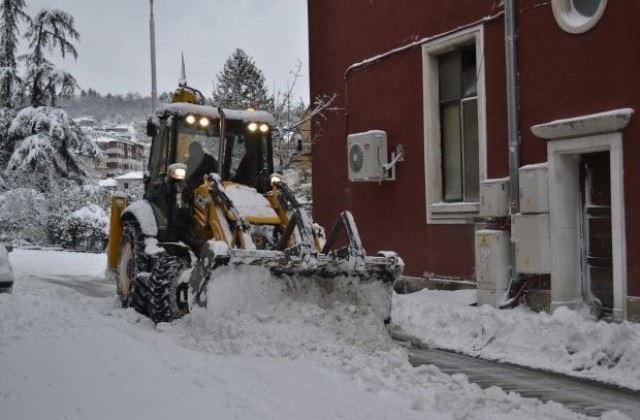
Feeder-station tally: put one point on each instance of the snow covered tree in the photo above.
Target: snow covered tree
(6, 146)
(59, 83)
(22, 215)
(241, 84)
(46, 148)
(49, 29)
(293, 120)
(11, 12)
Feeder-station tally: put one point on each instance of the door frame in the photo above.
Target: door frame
(568, 139)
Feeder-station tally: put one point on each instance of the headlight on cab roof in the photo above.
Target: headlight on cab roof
(204, 122)
(254, 126)
(190, 119)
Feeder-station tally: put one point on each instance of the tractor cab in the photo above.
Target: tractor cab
(191, 142)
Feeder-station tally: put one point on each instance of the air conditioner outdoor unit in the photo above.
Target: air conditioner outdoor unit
(367, 156)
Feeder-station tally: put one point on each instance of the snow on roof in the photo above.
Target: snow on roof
(109, 182)
(106, 138)
(87, 119)
(130, 175)
(182, 108)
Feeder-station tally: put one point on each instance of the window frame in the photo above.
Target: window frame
(437, 210)
(571, 20)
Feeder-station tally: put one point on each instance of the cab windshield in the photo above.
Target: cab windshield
(247, 159)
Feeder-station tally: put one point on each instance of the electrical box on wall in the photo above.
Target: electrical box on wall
(367, 156)
(494, 197)
(531, 232)
(534, 191)
(492, 258)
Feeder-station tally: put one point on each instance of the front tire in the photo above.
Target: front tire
(167, 295)
(132, 264)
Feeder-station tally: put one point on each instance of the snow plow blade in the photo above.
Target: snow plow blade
(345, 274)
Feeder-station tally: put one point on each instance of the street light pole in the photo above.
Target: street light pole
(152, 31)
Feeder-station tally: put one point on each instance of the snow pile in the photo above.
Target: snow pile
(566, 341)
(68, 350)
(93, 213)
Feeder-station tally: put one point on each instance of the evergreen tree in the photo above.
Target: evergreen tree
(11, 11)
(241, 84)
(49, 29)
(59, 83)
(47, 146)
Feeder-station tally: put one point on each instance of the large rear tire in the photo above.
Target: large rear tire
(132, 265)
(167, 295)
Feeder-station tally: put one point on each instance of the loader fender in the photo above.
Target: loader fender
(141, 212)
(118, 204)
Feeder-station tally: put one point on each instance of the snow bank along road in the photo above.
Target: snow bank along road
(576, 394)
(68, 351)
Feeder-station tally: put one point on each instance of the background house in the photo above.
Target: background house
(128, 180)
(124, 151)
(433, 76)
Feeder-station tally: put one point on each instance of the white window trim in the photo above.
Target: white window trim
(572, 21)
(438, 211)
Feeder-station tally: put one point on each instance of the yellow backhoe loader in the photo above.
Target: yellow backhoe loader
(212, 199)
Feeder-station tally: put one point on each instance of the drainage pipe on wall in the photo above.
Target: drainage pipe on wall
(512, 120)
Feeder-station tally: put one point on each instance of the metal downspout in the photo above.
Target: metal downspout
(512, 120)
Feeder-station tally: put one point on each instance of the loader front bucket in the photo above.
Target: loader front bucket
(322, 279)
(325, 276)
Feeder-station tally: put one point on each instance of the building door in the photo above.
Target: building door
(597, 255)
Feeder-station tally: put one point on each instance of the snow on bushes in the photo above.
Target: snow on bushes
(22, 215)
(86, 229)
(72, 218)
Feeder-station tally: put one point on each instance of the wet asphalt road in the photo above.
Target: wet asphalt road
(581, 396)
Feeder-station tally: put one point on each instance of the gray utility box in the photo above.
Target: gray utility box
(492, 265)
(531, 232)
(534, 190)
(494, 197)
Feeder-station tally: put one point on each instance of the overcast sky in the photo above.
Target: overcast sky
(114, 57)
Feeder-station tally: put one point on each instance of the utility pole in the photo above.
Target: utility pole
(152, 33)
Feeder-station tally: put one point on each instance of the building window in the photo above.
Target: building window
(459, 124)
(455, 149)
(577, 16)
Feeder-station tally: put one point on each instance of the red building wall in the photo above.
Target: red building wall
(564, 75)
(388, 95)
(560, 76)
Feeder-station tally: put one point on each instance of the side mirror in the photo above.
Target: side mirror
(152, 129)
(8, 247)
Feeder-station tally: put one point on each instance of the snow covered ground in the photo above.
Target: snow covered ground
(68, 351)
(566, 341)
